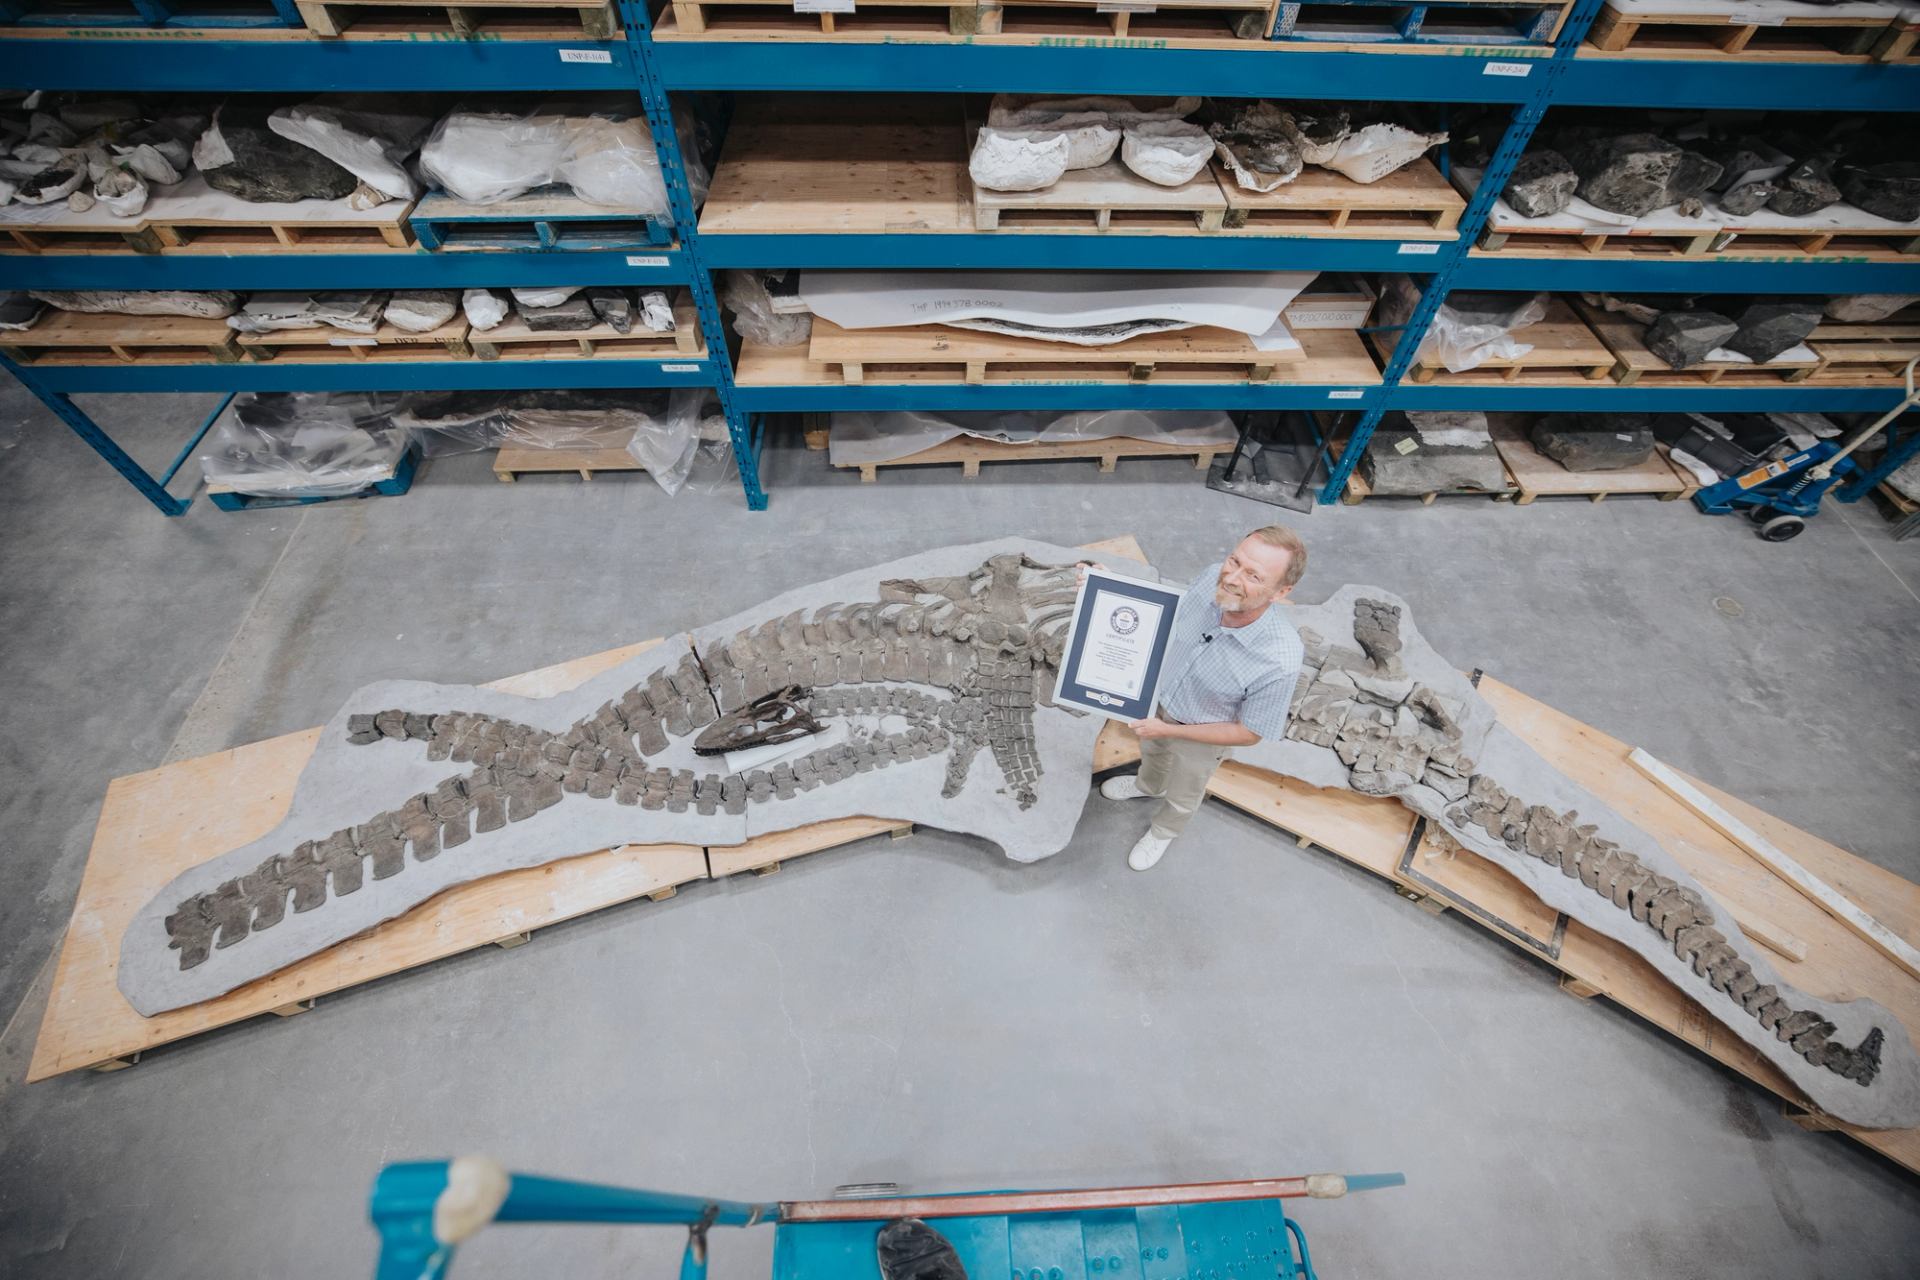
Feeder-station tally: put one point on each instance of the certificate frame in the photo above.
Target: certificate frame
(1136, 659)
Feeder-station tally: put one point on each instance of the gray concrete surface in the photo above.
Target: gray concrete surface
(922, 1012)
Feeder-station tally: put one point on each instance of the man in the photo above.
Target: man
(1227, 682)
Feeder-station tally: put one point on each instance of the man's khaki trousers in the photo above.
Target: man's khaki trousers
(1176, 770)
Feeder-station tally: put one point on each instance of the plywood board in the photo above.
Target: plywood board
(892, 166)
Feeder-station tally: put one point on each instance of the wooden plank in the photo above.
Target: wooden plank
(1749, 32)
(1564, 352)
(1833, 903)
(102, 338)
(1411, 203)
(1537, 475)
(596, 17)
(936, 353)
(1189, 23)
(324, 344)
(1110, 197)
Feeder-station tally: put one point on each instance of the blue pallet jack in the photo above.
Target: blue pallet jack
(1201, 1231)
(1780, 496)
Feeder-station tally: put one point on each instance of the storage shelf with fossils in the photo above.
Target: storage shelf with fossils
(965, 49)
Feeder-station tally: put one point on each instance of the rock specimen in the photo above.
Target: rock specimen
(943, 664)
(240, 155)
(1594, 441)
(1170, 153)
(1017, 159)
(1890, 190)
(1542, 184)
(1259, 160)
(421, 310)
(614, 307)
(19, 311)
(1745, 161)
(1747, 198)
(1866, 308)
(1806, 188)
(1693, 175)
(1685, 338)
(1433, 453)
(210, 304)
(1768, 329)
(574, 314)
(1626, 174)
(1316, 130)
(354, 312)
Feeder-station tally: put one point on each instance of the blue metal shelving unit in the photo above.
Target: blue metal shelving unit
(1527, 80)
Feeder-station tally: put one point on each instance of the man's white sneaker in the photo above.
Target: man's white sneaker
(1147, 851)
(1122, 787)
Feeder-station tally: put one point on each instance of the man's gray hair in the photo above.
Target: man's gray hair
(1279, 535)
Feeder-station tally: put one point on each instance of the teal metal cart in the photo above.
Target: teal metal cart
(1202, 1231)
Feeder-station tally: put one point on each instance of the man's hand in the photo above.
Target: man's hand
(1151, 727)
(1080, 569)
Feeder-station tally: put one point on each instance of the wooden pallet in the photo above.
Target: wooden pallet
(1108, 198)
(1412, 203)
(1420, 22)
(1536, 475)
(191, 217)
(1753, 32)
(76, 338)
(512, 462)
(1866, 354)
(157, 824)
(550, 218)
(468, 19)
(513, 339)
(1565, 353)
(1712, 242)
(385, 345)
(1333, 356)
(1172, 21)
(1635, 365)
(934, 353)
(970, 452)
(1357, 490)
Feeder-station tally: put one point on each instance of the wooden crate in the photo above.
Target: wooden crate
(1412, 203)
(468, 20)
(1108, 198)
(1635, 365)
(934, 353)
(387, 344)
(970, 452)
(76, 338)
(1565, 353)
(550, 218)
(1753, 31)
(513, 339)
(1335, 356)
(1536, 475)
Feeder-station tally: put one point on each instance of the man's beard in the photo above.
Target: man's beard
(1225, 598)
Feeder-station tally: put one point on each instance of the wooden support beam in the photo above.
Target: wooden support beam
(1829, 899)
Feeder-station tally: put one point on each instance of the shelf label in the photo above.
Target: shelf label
(353, 342)
(587, 55)
(1517, 70)
(1416, 247)
(1343, 395)
(823, 6)
(646, 260)
(679, 368)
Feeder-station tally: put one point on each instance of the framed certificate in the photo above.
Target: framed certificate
(1112, 661)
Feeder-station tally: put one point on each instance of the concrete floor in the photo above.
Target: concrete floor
(923, 1012)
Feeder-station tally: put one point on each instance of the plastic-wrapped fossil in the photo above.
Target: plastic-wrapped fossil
(940, 667)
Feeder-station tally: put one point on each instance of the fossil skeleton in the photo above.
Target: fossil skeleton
(941, 671)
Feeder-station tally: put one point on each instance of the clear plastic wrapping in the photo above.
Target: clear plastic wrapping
(883, 437)
(484, 157)
(688, 445)
(754, 318)
(303, 444)
(1463, 337)
(370, 136)
(469, 421)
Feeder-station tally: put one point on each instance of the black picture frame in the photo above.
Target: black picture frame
(1068, 692)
